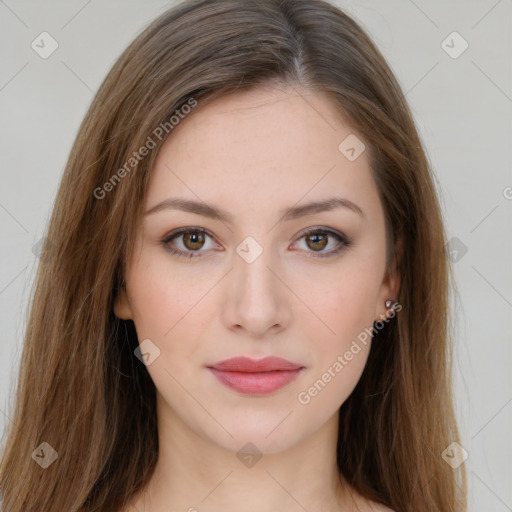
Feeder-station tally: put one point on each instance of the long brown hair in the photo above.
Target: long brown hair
(81, 389)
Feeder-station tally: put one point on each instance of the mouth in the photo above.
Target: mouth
(255, 377)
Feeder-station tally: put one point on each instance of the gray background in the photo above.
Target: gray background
(463, 110)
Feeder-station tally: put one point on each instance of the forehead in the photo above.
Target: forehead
(268, 146)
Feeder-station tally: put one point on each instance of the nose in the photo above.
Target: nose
(257, 301)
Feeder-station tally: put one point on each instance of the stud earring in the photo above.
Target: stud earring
(390, 303)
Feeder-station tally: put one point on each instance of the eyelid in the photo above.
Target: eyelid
(181, 231)
(342, 239)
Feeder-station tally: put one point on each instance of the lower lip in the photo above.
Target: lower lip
(256, 383)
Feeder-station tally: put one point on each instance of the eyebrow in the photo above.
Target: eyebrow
(286, 214)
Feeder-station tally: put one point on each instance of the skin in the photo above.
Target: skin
(252, 154)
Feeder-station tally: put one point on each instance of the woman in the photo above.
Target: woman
(243, 304)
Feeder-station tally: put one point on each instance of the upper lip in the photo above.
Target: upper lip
(246, 364)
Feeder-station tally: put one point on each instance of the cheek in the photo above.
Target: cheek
(165, 307)
(339, 357)
(347, 306)
(163, 299)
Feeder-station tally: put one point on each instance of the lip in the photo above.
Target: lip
(248, 365)
(255, 377)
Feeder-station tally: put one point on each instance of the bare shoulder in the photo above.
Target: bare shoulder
(135, 505)
(366, 505)
(363, 504)
(379, 507)
(373, 506)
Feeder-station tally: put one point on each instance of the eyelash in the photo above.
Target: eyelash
(344, 242)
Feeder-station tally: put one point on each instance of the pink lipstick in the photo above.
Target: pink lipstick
(255, 377)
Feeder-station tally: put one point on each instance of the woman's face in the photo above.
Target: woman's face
(302, 285)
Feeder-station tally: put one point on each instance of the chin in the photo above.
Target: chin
(251, 440)
(267, 435)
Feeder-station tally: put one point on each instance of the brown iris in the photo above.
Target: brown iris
(323, 243)
(195, 238)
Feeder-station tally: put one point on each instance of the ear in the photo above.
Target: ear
(122, 307)
(391, 283)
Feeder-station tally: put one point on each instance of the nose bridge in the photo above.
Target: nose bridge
(252, 270)
(256, 296)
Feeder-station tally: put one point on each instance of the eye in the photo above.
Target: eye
(193, 240)
(317, 240)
